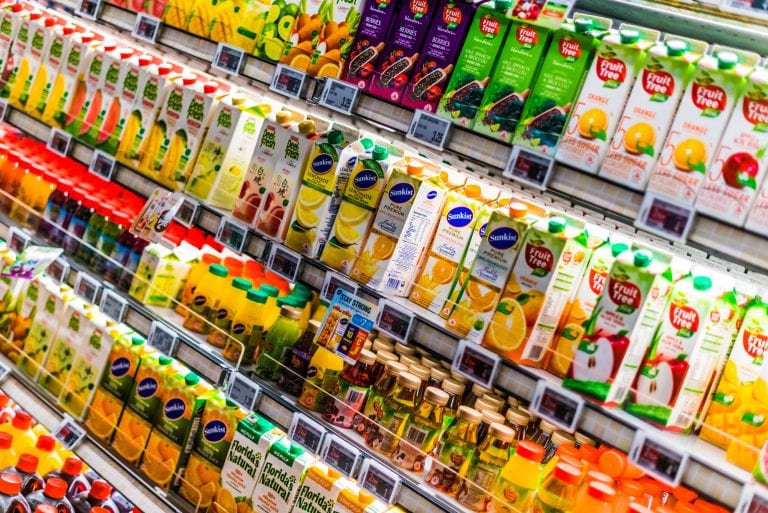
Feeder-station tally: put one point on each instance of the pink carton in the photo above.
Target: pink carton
(372, 32)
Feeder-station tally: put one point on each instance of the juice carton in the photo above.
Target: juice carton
(735, 177)
(689, 150)
(299, 47)
(541, 283)
(281, 477)
(176, 424)
(360, 200)
(27, 302)
(557, 83)
(68, 92)
(280, 20)
(52, 300)
(160, 272)
(65, 344)
(603, 96)
(511, 81)
(543, 13)
(621, 327)
(375, 23)
(51, 61)
(245, 459)
(26, 19)
(10, 21)
(39, 37)
(458, 223)
(652, 104)
(574, 325)
(757, 220)
(201, 480)
(438, 55)
(282, 189)
(395, 64)
(319, 492)
(352, 499)
(322, 183)
(479, 294)
(485, 37)
(335, 38)
(225, 154)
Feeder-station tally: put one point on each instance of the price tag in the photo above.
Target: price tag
(665, 218)
(662, 461)
(162, 338)
(88, 9)
(87, 287)
(339, 96)
(394, 320)
(228, 59)
(334, 281)
(243, 391)
(307, 433)
(18, 240)
(4, 371)
(529, 167)
(68, 433)
(429, 129)
(232, 234)
(476, 363)
(754, 499)
(146, 28)
(4, 109)
(102, 165)
(284, 262)
(341, 455)
(558, 406)
(58, 142)
(113, 305)
(58, 271)
(380, 481)
(288, 81)
(188, 212)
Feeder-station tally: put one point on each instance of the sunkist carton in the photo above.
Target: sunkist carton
(375, 24)
(465, 90)
(734, 179)
(281, 477)
(701, 119)
(639, 136)
(603, 96)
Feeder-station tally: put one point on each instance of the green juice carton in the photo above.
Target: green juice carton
(64, 346)
(485, 37)
(281, 478)
(558, 82)
(27, 21)
(510, 84)
(10, 21)
(160, 273)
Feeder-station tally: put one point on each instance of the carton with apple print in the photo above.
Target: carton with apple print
(620, 329)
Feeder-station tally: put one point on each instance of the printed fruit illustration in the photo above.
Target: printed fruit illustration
(443, 271)
(598, 357)
(740, 170)
(337, 255)
(562, 356)
(383, 248)
(130, 438)
(464, 101)
(105, 411)
(352, 215)
(160, 457)
(346, 234)
(481, 298)
(690, 155)
(199, 485)
(508, 327)
(593, 124)
(659, 381)
(531, 303)
(640, 139)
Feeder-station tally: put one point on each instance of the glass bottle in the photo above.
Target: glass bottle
(453, 452)
(423, 373)
(557, 493)
(382, 357)
(353, 386)
(519, 478)
(247, 328)
(374, 407)
(78, 223)
(399, 405)
(546, 430)
(301, 354)
(437, 375)
(485, 466)
(558, 438)
(205, 298)
(421, 430)
(280, 338)
(455, 391)
(488, 417)
(518, 421)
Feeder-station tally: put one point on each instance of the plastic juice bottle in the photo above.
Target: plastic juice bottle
(26, 469)
(11, 499)
(280, 338)
(354, 384)
(451, 457)
(117, 224)
(421, 430)
(222, 317)
(198, 271)
(206, 296)
(99, 496)
(247, 328)
(324, 369)
(54, 493)
(485, 467)
(557, 492)
(72, 475)
(7, 454)
(397, 408)
(20, 428)
(519, 478)
(300, 357)
(96, 223)
(55, 211)
(271, 311)
(689, 150)
(45, 451)
(600, 498)
(122, 251)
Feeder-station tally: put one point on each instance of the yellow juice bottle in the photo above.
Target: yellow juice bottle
(47, 457)
(247, 328)
(271, 310)
(20, 428)
(222, 316)
(197, 272)
(206, 298)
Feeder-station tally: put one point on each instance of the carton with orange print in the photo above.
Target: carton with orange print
(690, 148)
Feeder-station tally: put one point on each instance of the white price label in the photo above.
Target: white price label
(754, 499)
(558, 406)
(188, 212)
(341, 455)
(529, 167)
(113, 305)
(68, 433)
(4, 371)
(659, 459)
(307, 433)
(162, 338)
(394, 320)
(228, 59)
(232, 234)
(4, 109)
(334, 281)
(243, 391)
(146, 28)
(666, 218)
(284, 262)
(288, 81)
(476, 363)
(429, 129)
(58, 271)
(88, 9)
(339, 95)
(380, 481)
(59, 142)
(18, 240)
(87, 287)
(102, 165)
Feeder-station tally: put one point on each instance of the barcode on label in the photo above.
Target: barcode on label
(393, 283)
(355, 397)
(416, 436)
(534, 353)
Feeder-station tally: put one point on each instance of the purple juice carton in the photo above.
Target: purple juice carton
(441, 49)
(396, 63)
(378, 16)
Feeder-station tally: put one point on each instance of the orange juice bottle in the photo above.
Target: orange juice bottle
(519, 478)
(206, 298)
(600, 498)
(20, 428)
(7, 454)
(48, 458)
(197, 272)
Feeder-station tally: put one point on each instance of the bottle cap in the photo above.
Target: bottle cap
(594, 475)
(10, 484)
(257, 296)
(483, 405)
(415, 168)
(383, 357)
(556, 225)
(22, 420)
(469, 414)
(530, 450)
(583, 439)
(629, 36)
(187, 79)
(639, 508)
(686, 507)
(582, 25)
(503, 5)
(165, 360)
(426, 361)
(517, 418)
(512, 401)
(366, 357)
(218, 270)
(676, 47)
(589, 453)
(421, 372)
(437, 396)
(618, 248)
(494, 400)
(727, 60)
(683, 494)
(270, 290)
(210, 87)
(561, 437)
(453, 387)
(408, 380)
(241, 284)
(547, 427)
(439, 374)
(382, 345)
(6, 439)
(307, 127)
(702, 283)
(652, 488)
(95, 509)
(601, 491)
(409, 360)
(395, 368)
(567, 473)
(366, 143)
(500, 431)
(72, 466)
(46, 443)
(290, 312)
(27, 463)
(404, 349)
(631, 488)
(612, 463)
(335, 137)
(380, 153)
(643, 258)
(55, 488)
(492, 417)
(518, 209)
(191, 379)
(313, 326)
(100, 490)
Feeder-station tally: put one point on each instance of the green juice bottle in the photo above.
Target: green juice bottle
(485, 466)
(282, 336)
(421, 431)
(454, 451)
(398, 407)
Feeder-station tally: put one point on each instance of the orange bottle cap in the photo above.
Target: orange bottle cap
(613, 463)
(518, 209)
(683, 494)
(601, 491)
(589, 453)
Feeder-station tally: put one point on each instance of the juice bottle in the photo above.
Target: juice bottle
(198, 271)
(7, 454)
(421, 431)
(206, 297)
(519, 478)
(54, 493)
(117, 224)
(557, 492)
(223, 315)
(448, 464)
(300, 357)
(598, 499)
(485, 466)
(280, 338)
(11, 499)
(99, 496)
(96, 223)
(455, 391)
(323, 372)
(72, 475)
(20, 428)
(26, 469)
(354, 384)
(397, 408)
(271, 309)
(79, 222)
(47, 457)
(247, 328)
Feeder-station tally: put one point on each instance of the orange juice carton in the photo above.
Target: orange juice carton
(32, 52)
(541, 283)
(598, 110)
(322, 185)
(480, 292)
(359, 203)
(642, 129)
(319, 492)
(621, 327)
(76, 323)
(201, 480)
(281, 478)
(10, 21)
(701, 119)
(335, 38)
(734, 179)
(461, 210)
(352, 499)
(245, 459)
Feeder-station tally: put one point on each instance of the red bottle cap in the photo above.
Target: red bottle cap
(6, 439)
(45, 508)
(72, 466)
(27, 463)
(601, 491)
(530, 450)
(22, 420)
(99, 509)
(4, 400)
(46, 443)
(567, 473)
(10, 484)
(686, 507)
(55, 488)
(100, 490)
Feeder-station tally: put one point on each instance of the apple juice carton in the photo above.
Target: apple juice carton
(281, 478)
(757, 219)
(396, 62)
(319, 492)
(598, 110)
(652, 103)
(160, 273)
(733, 180)
(64, 346)
(375, 23)
(557, 84)
(54, 301)
(480, 292)
(689, 150)
(621, 327)
(438, 55)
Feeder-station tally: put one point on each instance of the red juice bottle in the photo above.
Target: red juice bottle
(11, 500)
(26, 469)
(54, 494)
(72, 474)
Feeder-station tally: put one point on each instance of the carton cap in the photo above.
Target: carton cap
(238, 99)
(188, 79)
(191, 379)
(629, 36)
(472, 191)
(145, 60)
(283, 117)
(415, 168)
(210, 87)
(366, 143)
(582, 24)
(517, 209)
(335, 137)
(380, 153)
(618, 248)
(556, 225)
(218, 270)
(702, 283)
(68, 30)
(643, 258)
(307, 127)
(165, 360)
(503, 5)
(164, 69)
(676, 47)
(727, 60)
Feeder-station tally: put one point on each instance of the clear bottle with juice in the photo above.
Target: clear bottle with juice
(86, 251)
(72, 474)
(247, 328)
(373, 410)
(271, 311)
(299, 360)
(99, 496)
(453, 452)
(47, 456)
(557, 492)
(519, 478)
(206, 298)
(421, 431)
(223, 315)
(485, 466)
(398, 407)
(26, 469)
(354, 384)
(455, 391)
(54, 493)
(280, 338)
(11, 499)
